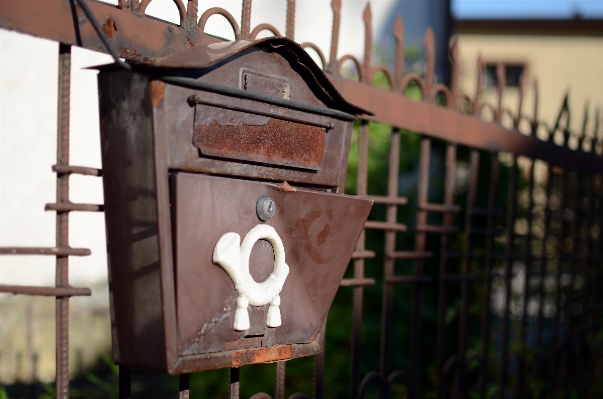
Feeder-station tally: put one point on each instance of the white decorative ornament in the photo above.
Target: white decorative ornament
(234, 259)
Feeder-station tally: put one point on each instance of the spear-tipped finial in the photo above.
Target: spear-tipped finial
(564, 111)
(478, 86)
(536, 98)
(368, 40)
(522, 85)
(399, 38)
(502, 82)
(583, 133)
(336, 6)
(597, 139)
(454, 77)
(429, 43)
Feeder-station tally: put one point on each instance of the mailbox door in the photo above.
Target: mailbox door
(319, 231)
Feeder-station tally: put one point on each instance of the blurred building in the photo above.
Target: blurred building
(563, 54)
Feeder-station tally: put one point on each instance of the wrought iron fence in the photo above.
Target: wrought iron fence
(489, 279)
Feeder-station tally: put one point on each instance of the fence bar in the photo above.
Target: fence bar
(519, 387)
(234, 383)
(468, 248)
(544, 261)
(486, 329)
(62, 225)
(53, 251)
(281, 369)
(362, 180)
(125, 383)
(553, 362)
(420, 241)
(510, 240)
(389, 264)
(443, 283)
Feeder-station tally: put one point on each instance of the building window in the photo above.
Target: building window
(513, 74)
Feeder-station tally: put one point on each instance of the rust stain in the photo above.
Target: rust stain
(284, 186)
(278, 142)
(263, 355)
(287, 188)
(128, 54)
(156, 91)
(190, 42)
(323, 235)
(302, 227)
(109, 28)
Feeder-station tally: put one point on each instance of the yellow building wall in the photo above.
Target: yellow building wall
(559, 63)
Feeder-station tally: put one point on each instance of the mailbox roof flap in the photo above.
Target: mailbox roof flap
(202, 57)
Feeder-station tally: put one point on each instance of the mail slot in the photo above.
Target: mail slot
(227, 230)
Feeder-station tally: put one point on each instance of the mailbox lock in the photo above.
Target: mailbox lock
(265, 207)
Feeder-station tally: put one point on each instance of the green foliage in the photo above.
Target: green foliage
(110, 387)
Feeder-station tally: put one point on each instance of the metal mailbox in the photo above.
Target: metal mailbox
(227, 233)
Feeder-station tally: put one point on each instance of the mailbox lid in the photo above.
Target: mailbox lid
(319, 231)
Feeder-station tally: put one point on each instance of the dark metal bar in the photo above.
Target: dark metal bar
(486, 330)
(362, 179)
(553, 361)
(389, 264)
(567, 364)
(62, 227)
(425, 228)
(467, 255)
(234, 383)
(59, 292)
(488, 212)
(447, 207)
(520, 380)
(510, 239)
(319, 374)
(184, 386)
(125, 382)
(420, 241)
(544, 262)
(409, 279)
(587, 268)
(67, 206)
(459, 277)
(232, 92)
(53, 251)
(410, 255)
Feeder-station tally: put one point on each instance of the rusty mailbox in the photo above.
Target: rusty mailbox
(227, 232)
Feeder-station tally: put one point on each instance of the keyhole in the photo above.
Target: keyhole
(265, 207)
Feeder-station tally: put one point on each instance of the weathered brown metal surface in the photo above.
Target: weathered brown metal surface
(559, 250)
(135, 37)
(319, 231)
(186, 303)
(270, 141)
